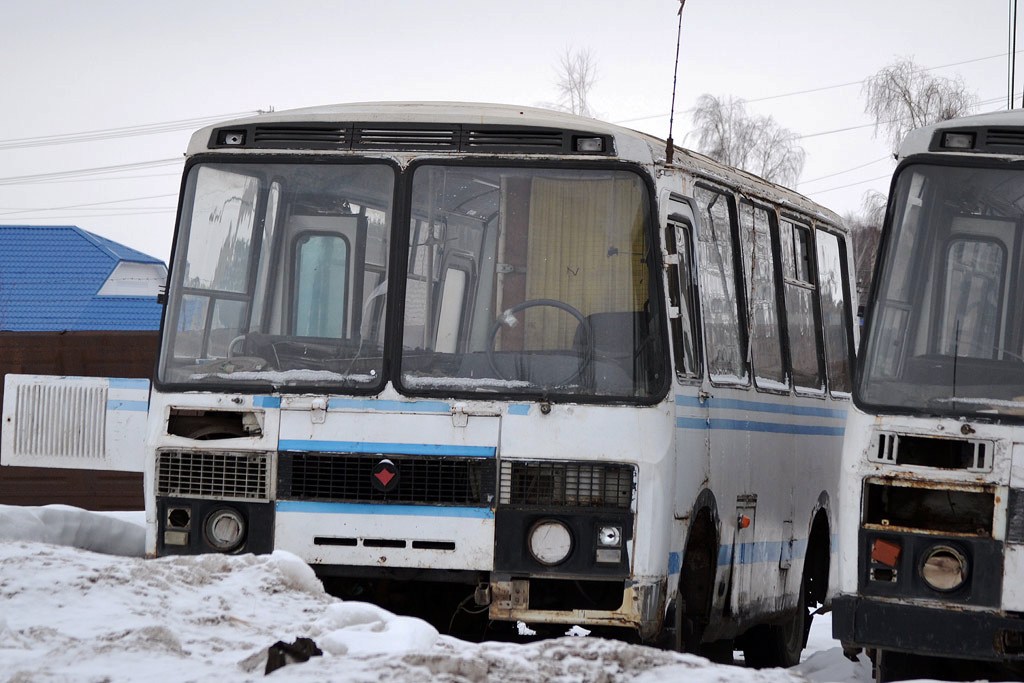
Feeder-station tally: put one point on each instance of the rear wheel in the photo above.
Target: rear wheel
(779, 645)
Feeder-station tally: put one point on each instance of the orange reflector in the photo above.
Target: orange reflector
(743, 521)
(885, 552)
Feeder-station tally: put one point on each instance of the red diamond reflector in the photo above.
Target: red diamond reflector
(384, 476)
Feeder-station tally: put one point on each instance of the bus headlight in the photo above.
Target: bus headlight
(550, 542)
(609, 536)
(225, 529)
(944, 568)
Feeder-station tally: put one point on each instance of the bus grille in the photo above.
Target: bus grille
(242, 476)
(566, 484)
(423, 480)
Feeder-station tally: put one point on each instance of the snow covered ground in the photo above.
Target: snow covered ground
(78, 603)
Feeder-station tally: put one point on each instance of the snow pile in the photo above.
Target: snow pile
(68, 614)
(64, 525)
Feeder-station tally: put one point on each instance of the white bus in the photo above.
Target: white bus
(512, 353)
(932, 525)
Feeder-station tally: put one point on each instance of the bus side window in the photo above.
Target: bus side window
(682, 318)
(832, 295)
(805, 349)
(762, 301)
(720, 303)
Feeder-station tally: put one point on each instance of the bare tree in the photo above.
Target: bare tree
(577, 73)
(758, 144)
(903, 96)
(866, 228)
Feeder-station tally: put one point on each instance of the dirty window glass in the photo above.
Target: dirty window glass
(725, 353)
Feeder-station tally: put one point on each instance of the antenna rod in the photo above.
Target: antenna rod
(669, 144)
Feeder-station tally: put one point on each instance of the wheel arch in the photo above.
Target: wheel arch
(818, 554)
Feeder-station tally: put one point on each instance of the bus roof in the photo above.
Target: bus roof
(631, 145)
(919, 140)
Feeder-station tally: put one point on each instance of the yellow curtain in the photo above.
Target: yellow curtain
(585, 249)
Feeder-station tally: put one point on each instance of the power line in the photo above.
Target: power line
(859, 182)
(111, 133)
(124, 177)
(92, 216)
(828, 87)
(855, 168)
(93, 204)
(78, 173)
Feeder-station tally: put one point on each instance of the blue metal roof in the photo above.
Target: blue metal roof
(50, 277)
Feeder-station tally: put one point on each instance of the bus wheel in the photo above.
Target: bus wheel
(779, 645)
(696, 587)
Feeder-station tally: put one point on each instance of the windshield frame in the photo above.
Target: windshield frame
(958, 409)
(180, 245)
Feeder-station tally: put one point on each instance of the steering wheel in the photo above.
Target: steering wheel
(508, 319)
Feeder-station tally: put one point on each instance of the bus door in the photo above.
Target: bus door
(693, 465)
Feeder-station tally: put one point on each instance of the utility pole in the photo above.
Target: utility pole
(1012, 56)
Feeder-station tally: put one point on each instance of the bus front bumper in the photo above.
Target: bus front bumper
(949, 631)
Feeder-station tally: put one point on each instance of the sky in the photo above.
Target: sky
(79, 603)
(137, 78)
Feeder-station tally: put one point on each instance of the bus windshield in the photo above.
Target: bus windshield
(527, 280)
(946, 334)
(518, 280)
(278, 269)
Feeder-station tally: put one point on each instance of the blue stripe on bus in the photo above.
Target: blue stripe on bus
(519, 409)
(266, 401)
(385, 447)
(389, 406)
(759, 552)
(751, 426)
(125, 383)
(382, 509)
(760, 407)
(749, 553)
(132, 406)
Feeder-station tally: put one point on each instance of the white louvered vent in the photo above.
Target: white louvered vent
(62, 421)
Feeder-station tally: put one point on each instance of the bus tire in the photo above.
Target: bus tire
(696, 590)
(779, 645)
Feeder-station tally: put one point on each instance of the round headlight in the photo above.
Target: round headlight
(225, 529)
(550, 542)
(609, 536)
(944, 568)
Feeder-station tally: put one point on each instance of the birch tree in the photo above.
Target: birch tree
(758, 144)
(903, 96)
(577, 73)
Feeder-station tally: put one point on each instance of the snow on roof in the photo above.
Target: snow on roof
(51, 279)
